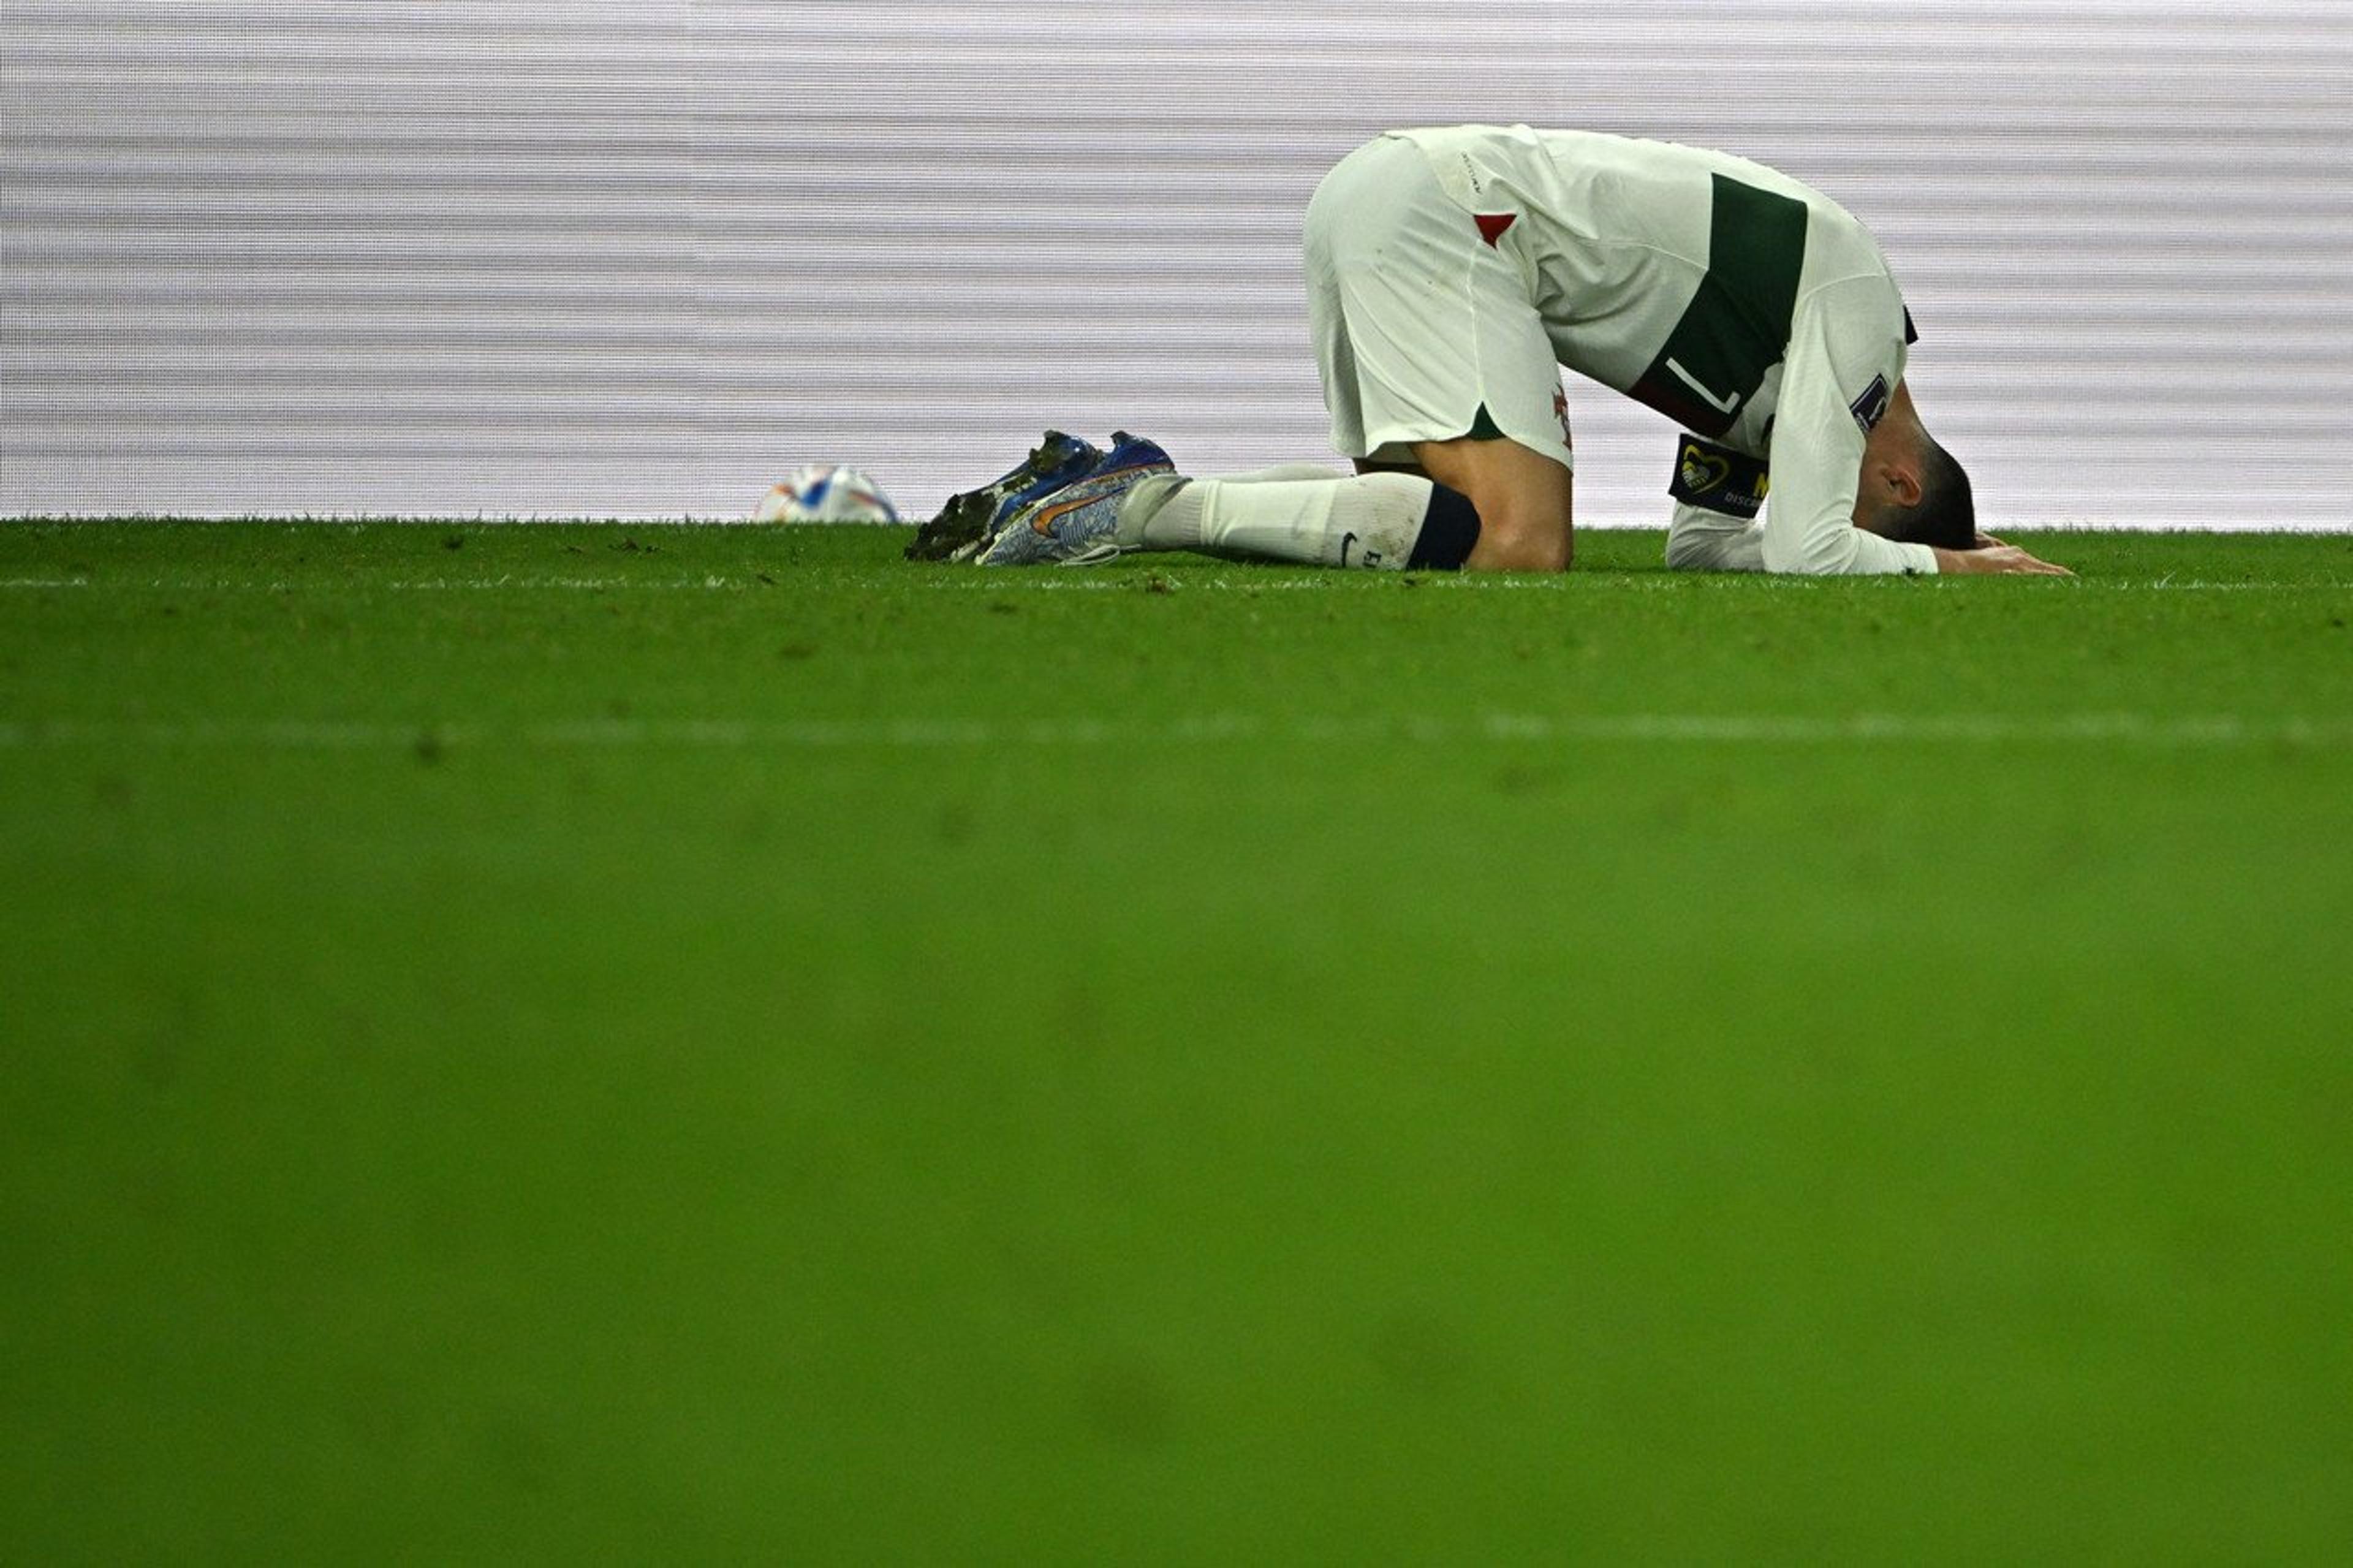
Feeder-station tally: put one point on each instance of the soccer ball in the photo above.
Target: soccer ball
(826, 492)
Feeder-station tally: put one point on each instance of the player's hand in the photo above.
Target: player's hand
(1986, 542)
(1997, 558)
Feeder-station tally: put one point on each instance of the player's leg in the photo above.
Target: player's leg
(1483, 504)
(1133, 498)
(1434, 359)
(1522, 499)
(1308, 516)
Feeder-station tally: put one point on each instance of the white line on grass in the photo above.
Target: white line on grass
(2206, 731)
(1128, 581)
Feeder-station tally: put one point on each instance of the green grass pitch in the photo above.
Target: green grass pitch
(594, 1042)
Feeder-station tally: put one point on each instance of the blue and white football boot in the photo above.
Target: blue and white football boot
(967, 522)
(1076, 520)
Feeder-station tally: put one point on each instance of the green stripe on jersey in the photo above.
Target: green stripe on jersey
(1737, 326)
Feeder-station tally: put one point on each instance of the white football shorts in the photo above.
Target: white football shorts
(1419, 321)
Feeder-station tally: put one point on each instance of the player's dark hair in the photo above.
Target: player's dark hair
(1946, 515)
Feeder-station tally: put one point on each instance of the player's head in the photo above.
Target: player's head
(1911, 489)
(1946, 514)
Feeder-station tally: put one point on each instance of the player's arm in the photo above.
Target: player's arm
(1702, 540)
(1718, 492)
(1818, 456)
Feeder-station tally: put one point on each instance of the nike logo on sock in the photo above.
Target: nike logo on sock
(1346, 540)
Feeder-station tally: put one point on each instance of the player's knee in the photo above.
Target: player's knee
(1549, 550)
(1524, 534)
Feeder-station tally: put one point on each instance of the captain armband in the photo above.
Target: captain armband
(1719, 478)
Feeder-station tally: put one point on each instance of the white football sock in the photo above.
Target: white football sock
(1285, 471)
(1282, 514)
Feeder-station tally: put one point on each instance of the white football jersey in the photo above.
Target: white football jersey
(1751, 308)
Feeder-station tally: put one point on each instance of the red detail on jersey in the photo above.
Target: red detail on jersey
(1493, 225)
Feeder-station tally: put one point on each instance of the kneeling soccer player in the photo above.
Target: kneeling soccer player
(1451, 273)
